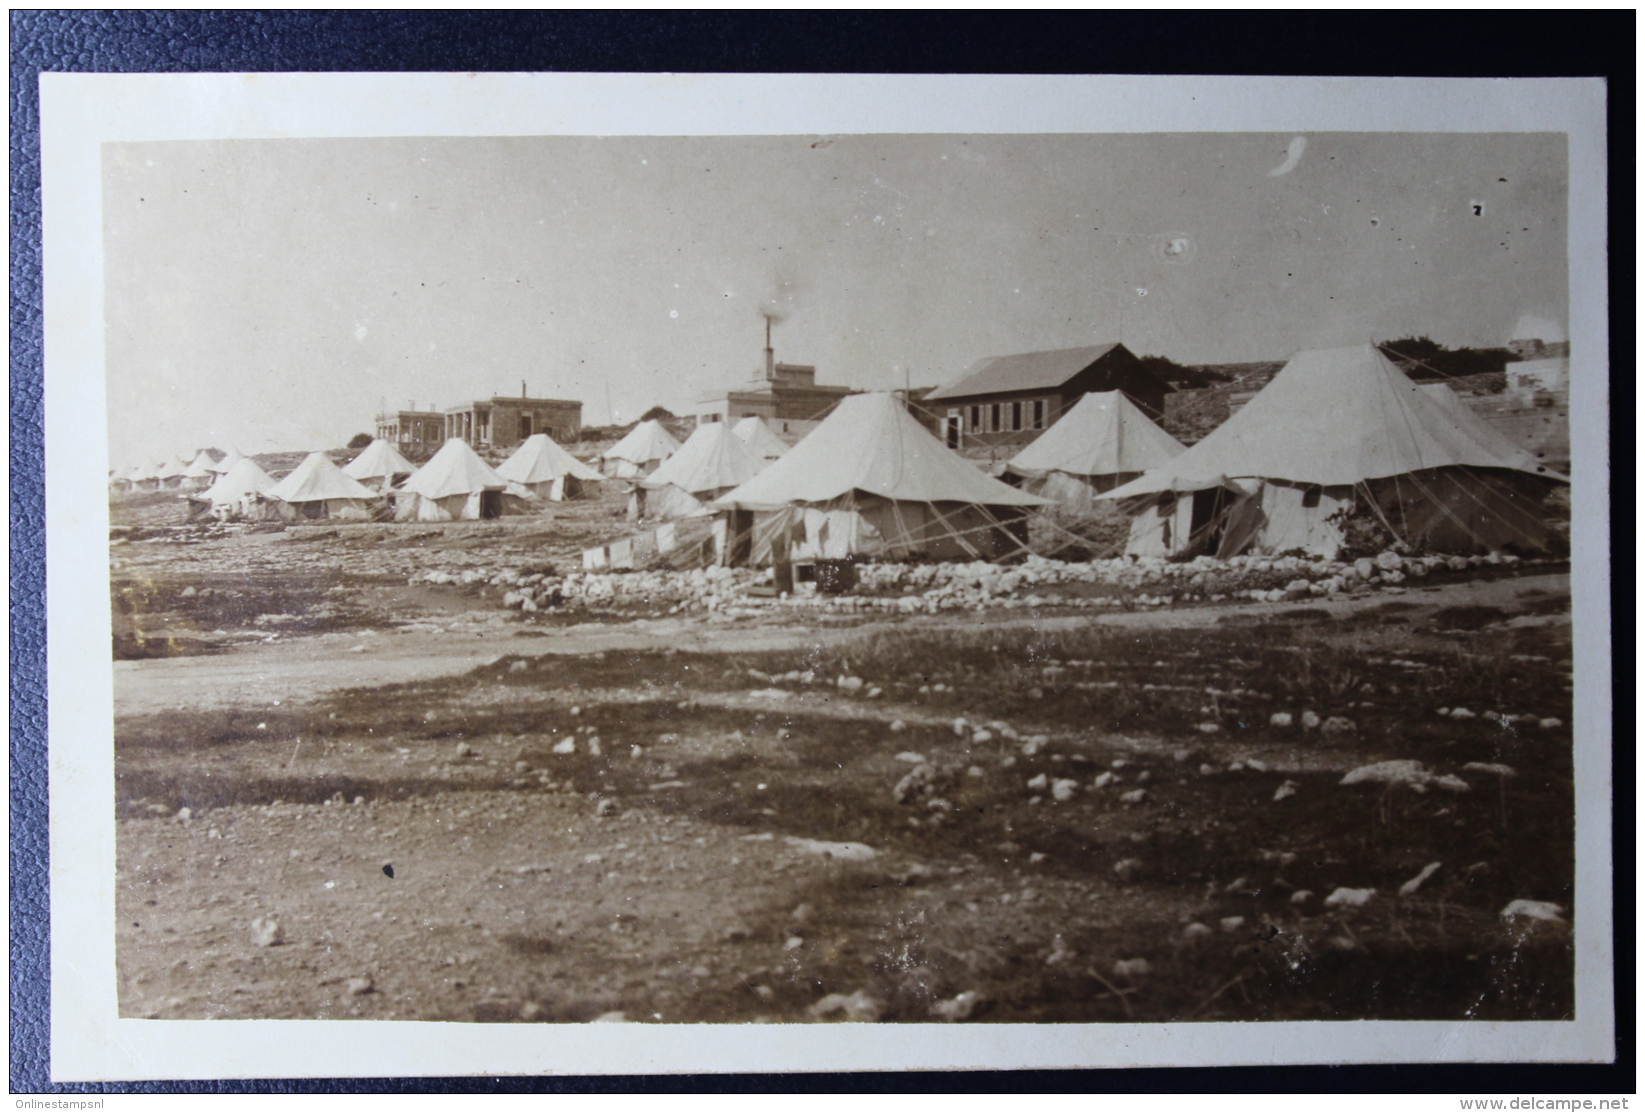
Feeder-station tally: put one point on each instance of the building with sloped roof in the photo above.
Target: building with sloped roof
(1005, 401)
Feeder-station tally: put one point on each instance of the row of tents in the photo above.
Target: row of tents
(1338, 435)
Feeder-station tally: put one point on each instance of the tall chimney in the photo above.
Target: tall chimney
(770, 356)
(522, 390)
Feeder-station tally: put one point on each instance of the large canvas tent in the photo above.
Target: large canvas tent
(1104, 442)
(759, 438)
(457, 485)
(238, 493)
(547, 470)
(1338, 431)
(712, 461)
(317, 488)
(1467, 421)
(226, 464)
(871, 481)
(647, 445)
(378, 465)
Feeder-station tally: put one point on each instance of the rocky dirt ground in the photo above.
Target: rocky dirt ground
(347, 791)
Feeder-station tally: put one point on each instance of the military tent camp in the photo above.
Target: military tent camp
(871, 481)
(378, 466)
(238, 493)
(1105, 441)
(1337, 432)
(647, 445)
(457, 485)
(317, 488)
(226, 464)
(759, 438)
(712, 461)
(547, 470)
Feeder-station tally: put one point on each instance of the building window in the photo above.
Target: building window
(1016, 416)
(976, 418)
(1039, 413)
(994, 418)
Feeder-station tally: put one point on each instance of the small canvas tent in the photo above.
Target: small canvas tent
(317, 488)
(871, 481)
(647, 445)
(712, 461)
(547, 470)
(1336, 430)
(145, 477)
(171, 471)
(226, 464)
(759, 438)
(457, 485)
(378, 466)
(238, 493)
(1105, 441)
(201, 472)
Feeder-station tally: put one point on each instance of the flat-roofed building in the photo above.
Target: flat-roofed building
(413, 432)
(503, 423)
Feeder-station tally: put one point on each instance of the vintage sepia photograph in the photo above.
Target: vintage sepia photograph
(931, 579)
(1040, 593)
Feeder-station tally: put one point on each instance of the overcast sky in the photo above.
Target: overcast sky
(273, 294)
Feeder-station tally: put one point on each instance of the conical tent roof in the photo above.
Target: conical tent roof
(1335, 417)
(202, 464)
(540, 460)
(645, 442)
(378, 460)
(244, 478)
(712, 459)
(144, 471)
(226, 464)
(1104, 434)
(171, 467)
(759, 438)
(1458, 413)
(316, 479)
(455, 470)
(870, 443)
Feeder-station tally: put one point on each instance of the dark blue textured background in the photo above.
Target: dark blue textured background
(1487, 43)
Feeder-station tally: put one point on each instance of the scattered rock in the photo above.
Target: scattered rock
(1038, 782)
(860, 1006)
(1195, 930)
(981, 737)
(1402, 771)
(1549, 724)
(594, 745)
(1063, 790)
(737, 933)
(844, 851)
(566, 745)
(1259, 766)
(464, 749)
(1231, 924)
(616, 1016)
(1546, 911)
(1103, 780)
(1411, 886)
(1127, 869)
(917, 783)
(531, 1011)
(1206, 769)
(1280, 719)
(1210, 728)
(961, 726)
(605, 808)
(911, 757)
(1336, 724)
(267, 932)
(974, 771)
(359, 986)
(959, 1007)
(1132, 969)
(1302, 896)
(1349, 898)
(1462, 713)
(850, 683)
(1492, 768)
(1135, 796)
(898, 726)
(1452, 783)
(1310, 720)
(1286, 791)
